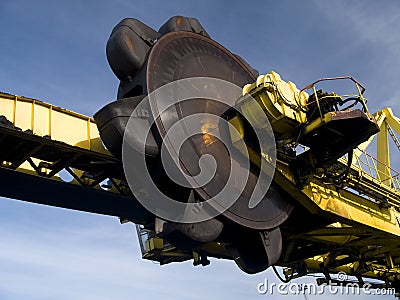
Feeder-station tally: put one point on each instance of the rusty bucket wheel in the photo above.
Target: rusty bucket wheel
(179, 55)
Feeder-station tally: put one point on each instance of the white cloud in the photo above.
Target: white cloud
(373, 28)
(86, 256)
(101, 262)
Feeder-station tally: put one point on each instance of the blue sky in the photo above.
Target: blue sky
(55, 51)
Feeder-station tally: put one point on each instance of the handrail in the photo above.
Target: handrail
(334, 78)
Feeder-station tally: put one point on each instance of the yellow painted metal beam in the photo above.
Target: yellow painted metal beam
(383, 155)
(341, 205)
(351, 208)
(392, 120)
(52, 122)
(380, 117)
(44, 119)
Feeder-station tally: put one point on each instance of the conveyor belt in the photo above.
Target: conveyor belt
(30, 163)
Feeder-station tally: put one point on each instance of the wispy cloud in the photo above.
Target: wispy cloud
(101, 260)
(373, 29)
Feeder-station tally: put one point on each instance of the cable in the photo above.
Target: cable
(356, 100)
(279, 276)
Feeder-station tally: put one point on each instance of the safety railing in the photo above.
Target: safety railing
(371, 168)
(343, 99)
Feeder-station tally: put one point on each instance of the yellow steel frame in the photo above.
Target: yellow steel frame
(70, 136)
(44, 119)
(386, 120)
(366, 206)
(364, 212)
(53, 123)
